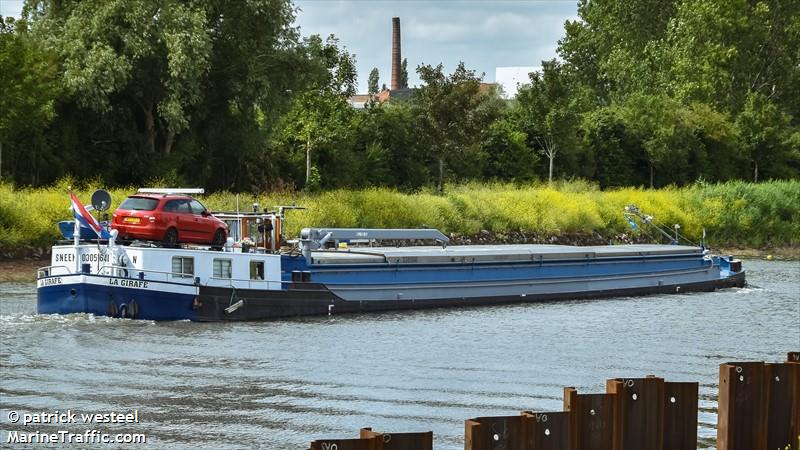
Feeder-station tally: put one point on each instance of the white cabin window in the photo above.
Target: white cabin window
(222, 268)
(182, 266)
(256, 270)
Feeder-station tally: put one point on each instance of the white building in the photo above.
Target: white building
(511, 77)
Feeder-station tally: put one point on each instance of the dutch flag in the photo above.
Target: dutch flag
(86, 220)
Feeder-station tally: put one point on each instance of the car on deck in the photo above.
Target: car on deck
(169, 218)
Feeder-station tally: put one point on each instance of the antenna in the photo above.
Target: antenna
(101, 200)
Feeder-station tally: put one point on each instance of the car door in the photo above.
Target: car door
(187, 230)
(203, 227)
(170, 217)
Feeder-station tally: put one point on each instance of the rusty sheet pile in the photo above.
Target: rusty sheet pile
(759, 409)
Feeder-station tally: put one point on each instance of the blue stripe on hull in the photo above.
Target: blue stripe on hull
(379, 274)
(98, 300)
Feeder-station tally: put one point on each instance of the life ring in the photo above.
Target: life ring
(123, 311)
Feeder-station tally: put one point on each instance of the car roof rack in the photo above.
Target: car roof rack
(171, 191)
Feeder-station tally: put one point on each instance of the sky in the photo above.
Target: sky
(483, 34)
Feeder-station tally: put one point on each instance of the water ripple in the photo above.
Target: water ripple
(282, 384)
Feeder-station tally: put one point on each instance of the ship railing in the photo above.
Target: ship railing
(50, 271)
(132, 272)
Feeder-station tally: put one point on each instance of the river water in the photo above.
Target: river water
(281, 384)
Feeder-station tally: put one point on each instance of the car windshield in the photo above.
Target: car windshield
(197, 207)
(139, 204)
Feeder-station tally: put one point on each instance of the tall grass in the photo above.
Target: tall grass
(733, 213)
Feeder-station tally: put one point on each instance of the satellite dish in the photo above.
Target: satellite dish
(101, 200)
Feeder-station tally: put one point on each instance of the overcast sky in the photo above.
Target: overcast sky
(483, 34)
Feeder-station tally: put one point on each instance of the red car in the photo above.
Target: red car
(170, 218)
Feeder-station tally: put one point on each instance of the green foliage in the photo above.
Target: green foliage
(607, 133)
(396, 154)
(29, 90)
(764, 129)
(229, 96)
(314, 180)
(372, 81)
(548, 110)
(733, 213)
(698, 89)
(451, 110)
(196, 86)
(507, 155)
(404, 74)
(317, 128)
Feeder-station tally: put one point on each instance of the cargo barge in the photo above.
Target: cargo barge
(329, 271)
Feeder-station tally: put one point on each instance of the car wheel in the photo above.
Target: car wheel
(219, 239)
(171, 237)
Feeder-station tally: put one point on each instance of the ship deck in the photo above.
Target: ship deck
(490, 253)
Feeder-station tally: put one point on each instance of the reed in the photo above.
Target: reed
(734, 213)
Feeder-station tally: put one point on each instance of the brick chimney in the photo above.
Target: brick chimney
(395, 53)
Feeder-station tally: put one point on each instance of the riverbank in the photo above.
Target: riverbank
(20, 270)
(732, 215)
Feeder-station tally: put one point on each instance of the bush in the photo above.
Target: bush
(734, 213)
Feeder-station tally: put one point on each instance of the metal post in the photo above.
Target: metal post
(592, 419)
(76, 233)
(680, 415)
(640, 417)
(742, 406)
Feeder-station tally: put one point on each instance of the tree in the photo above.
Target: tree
(372, 82)
(198, 84)
(115, 48)
(404, 74)
(548, 109)
(395, 150)
(720, 51)
(660, 124)
(609, 42)
(321, 115)
(766, 136)
(446, 106)
(28, 75)
(606, 134)
(717, 153)
(507, 155)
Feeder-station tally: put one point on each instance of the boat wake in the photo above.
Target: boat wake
(749, 289)
(21, 319)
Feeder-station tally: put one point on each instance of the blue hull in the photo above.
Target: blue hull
(345, 288)
(112, 301)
